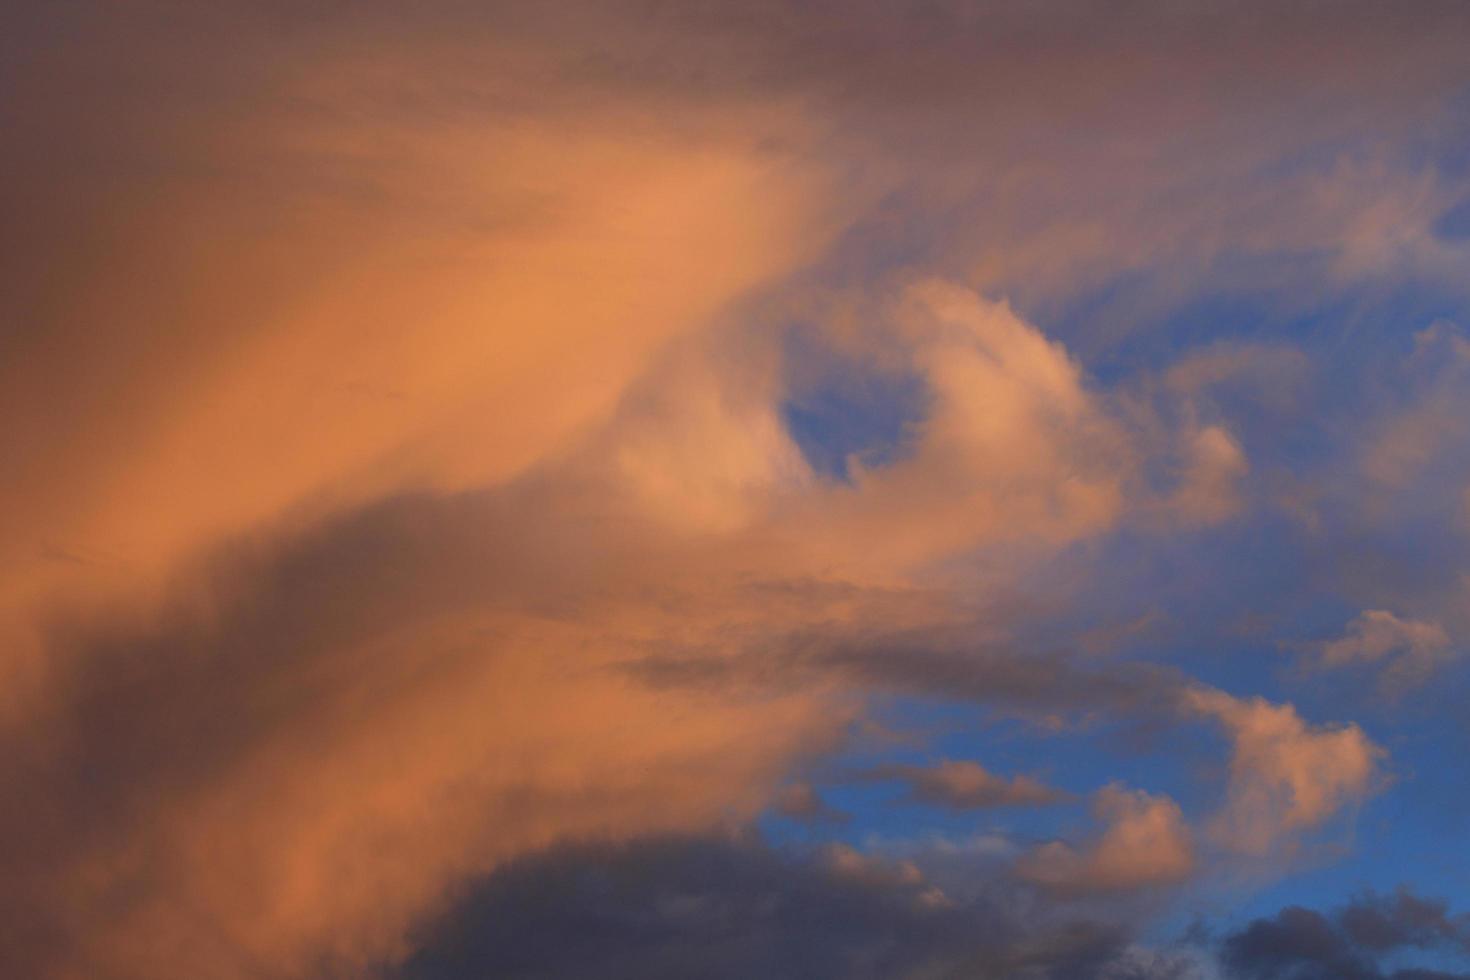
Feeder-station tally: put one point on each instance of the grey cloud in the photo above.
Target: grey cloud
(1384, 922)
(737, 908)
(1349, 943)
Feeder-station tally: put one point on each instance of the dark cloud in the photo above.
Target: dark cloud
(1383, 922)
(1350, 943)
(737, 908)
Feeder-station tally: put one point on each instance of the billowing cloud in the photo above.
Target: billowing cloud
(400, 479)
(1014, 448)
(424, 687)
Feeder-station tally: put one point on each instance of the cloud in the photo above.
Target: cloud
(1208, 487)
(297, 760)
(1407, 651)
(668, 907)
(1285, 776)
(388, 301)
(420, 688)
(309, 662)
(1426, 416)
(1403, 919)
(1014, 448)
(965, 785)
(801, 801)
(1353, 942)
(424, 687)
(1377, 633)
(397, 482)
(1144, 843)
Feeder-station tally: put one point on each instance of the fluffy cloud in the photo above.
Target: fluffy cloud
(1013, 448)
(1144, 843)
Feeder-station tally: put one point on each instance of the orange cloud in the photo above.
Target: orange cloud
(332, 837)
(1144, 843)
(966, 785)
(253, 611)
(501, 286)
(1285, 776)
(385, 390)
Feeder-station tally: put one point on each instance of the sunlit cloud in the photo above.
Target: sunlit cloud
(1144, 842)
(456, 452)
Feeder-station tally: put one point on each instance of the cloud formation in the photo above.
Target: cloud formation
(1285, 776)
(966, 785)
(1407, 651)
(401, 482)
(1144, 843)
(1354, 942)
(737, 908)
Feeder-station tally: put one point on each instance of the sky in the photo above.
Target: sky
(628, 489)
